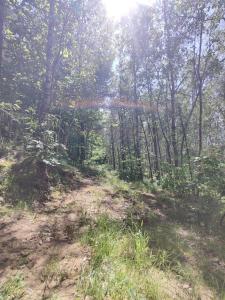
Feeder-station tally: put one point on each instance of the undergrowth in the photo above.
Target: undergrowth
(123, 266)
(12, 288)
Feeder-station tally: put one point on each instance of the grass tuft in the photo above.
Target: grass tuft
(53, 271)
(12, 288)
(123, 265)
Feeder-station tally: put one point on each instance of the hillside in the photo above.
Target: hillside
(106, 239)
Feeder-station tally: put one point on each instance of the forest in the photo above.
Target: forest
(112, 149)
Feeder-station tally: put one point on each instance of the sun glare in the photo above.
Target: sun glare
(119, 8)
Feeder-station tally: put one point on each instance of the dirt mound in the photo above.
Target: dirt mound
(32, 180)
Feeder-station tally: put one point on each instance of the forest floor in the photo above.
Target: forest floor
(44, 253)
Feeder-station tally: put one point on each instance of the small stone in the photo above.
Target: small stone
(215, 260)
(186, 286)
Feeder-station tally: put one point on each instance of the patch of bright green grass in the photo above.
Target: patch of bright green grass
(123, 265)
(12, 288)
(118, 185)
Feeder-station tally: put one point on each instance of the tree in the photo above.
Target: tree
(47, 89)
(2, 11)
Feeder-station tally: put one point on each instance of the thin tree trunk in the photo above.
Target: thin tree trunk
(200, 82)
(173, 121)
(155, 145)
(139, 175)
(148, 150)
(188, 120)
(169, 159)
(169, 53)
(186, 142)
(122, 145)
(82, 143)
(47, 89)
(113, 148)
(154, 132)
(2, 10)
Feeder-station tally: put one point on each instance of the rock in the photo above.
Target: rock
(84, 229)
(72, 217)
(215, 260)
(222, 263)
(186, 286)
(67, 283)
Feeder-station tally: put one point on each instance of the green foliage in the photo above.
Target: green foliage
(11, 121)
(123, 265)
(53, 271)
(203, 192)
(176, 179)
(210, 170)
(98, 152)
(12, 288)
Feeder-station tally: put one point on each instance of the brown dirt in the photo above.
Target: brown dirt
(29, 241)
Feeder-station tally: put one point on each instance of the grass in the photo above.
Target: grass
(161, 258)
(5, 210)
(6, 164)
(12, 288)
(161, 261)
(123, 266)
(20, 207)
(111, 179)
(54, 297)
(53, 271)
(134, 262)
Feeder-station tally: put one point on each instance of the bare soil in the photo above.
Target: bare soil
(44, 245)
(29, 241)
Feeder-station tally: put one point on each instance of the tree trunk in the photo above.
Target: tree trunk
(147, 149)
(122, 145)
(199, 77)
(173, 120)
(47, 89)
(170, 68)
(186, 142)
(2, 10)
(155, 145)
(139, 174)
(113, 147)
(169, 159)
(154, 131)
(82, 146)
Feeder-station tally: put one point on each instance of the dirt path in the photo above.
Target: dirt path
(45, 247)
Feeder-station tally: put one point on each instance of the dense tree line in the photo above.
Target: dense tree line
(53, 55)
(160, 71)
(171, 65)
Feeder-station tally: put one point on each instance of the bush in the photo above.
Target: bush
(202, 193)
